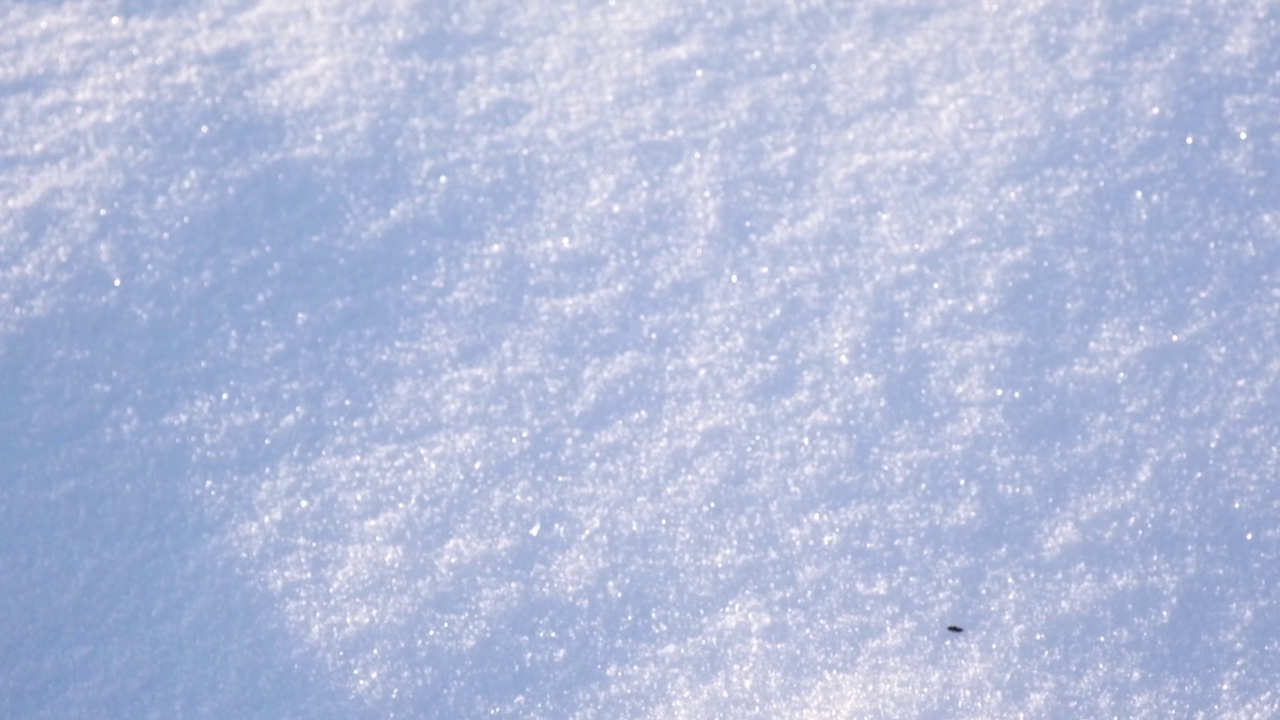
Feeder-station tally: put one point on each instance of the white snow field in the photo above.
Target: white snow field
(639, 360)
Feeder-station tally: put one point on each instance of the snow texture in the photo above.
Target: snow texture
(639, 360)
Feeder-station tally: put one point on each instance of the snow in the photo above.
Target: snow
(639, 360)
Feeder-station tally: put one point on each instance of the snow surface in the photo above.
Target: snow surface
(646, 360)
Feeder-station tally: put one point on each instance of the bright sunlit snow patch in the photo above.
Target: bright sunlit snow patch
(636, 360)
